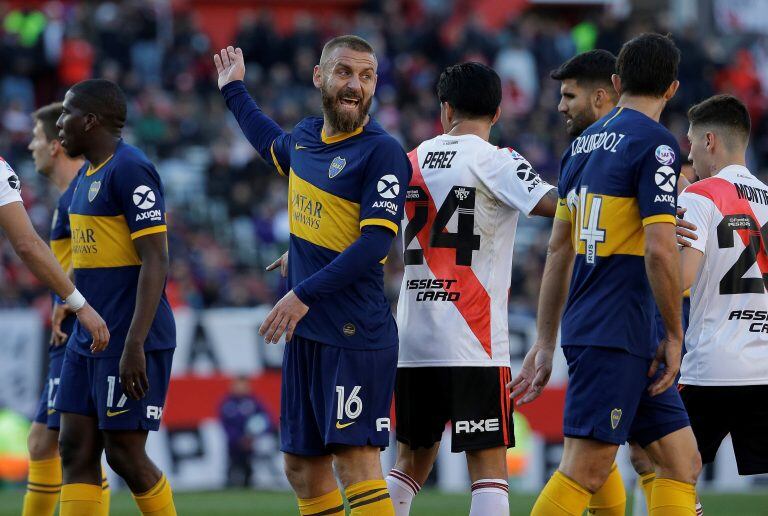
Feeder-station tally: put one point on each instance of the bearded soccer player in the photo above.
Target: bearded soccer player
(44, 480)
(109, 402)
(347, 179)
(615, 229)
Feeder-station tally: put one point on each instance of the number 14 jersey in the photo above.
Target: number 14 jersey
(461, 213)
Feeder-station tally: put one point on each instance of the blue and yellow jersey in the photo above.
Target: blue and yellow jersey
(617, 177)
(61, 245)
(114, 203)
(337, 186)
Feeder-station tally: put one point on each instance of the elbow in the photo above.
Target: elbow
(657, 253)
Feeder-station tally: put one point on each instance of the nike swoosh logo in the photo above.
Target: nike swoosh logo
(299, 147)
(117, 413)
(51, 411)
(341, 426)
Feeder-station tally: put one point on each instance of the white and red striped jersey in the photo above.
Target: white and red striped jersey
(727, 338)
(461, 213)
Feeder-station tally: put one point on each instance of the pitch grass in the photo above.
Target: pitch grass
(428, 503)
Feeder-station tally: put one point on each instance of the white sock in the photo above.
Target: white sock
(699, 509)
(490, 497)
(402, 489)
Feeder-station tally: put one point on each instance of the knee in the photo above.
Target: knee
(589, 476)
(41, 447)
(119, 459)
(640, 461)
(70, 449)
(296, 471)
(683, 468)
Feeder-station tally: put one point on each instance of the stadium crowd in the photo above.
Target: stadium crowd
(226, 207)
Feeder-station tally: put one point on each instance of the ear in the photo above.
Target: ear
(496, 116)
(317, 76)
(616, 81)
(54, 147)
(671, 90)
(91, 121)
(599, 97)
(711, 141)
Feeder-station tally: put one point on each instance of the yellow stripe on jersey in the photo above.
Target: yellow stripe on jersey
(101, 241)
(655, 219)
(91, 170)
(379, 222)
(320, 217)
(687, 293)
(562, 211)
(149, 231)
(62, 250)
(274, 159)
(339, 137)
(618, 228)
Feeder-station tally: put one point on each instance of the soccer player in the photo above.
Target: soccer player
(615, 229)
(726, 266)
(109, 402)
(461, 213)
(44, 479)
(346, 179)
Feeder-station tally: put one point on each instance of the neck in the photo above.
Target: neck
(64, 171)
(728, 160)
(101, 150)
(649, 106)
(329, 130)
(479, 128)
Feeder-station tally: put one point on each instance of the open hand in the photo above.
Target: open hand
(229, 65)
(283, 318)
(534, 375)
(685, 230)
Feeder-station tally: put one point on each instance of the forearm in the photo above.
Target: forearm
(148, 294)
(369, 249)
(663, 269)
(554, 292)
(258, 128)
(43, 264)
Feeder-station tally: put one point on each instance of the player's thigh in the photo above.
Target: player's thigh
(42, 442)
(481, 410)
(587, 461)
(357, 463)
(749, 427)
(487, 463)
(422, 409)
(710, 415)
(416, 463)
(676, 456)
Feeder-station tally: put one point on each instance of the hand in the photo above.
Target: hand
(229, 65)
(96, 326)
(283, 318)
(281, 262)
(133, 372)
(534, 375)
(685, 230)
(60, 312)
(668, 353)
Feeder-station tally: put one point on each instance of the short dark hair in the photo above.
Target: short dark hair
(596, 66)
(472, 89)
(725, 111)
(647, 64)
(104, 99)
(350, 41)
(47, 116)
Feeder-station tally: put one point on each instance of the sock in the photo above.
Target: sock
(80, 500)
(610, 499)
(330, 504)
(646, 482)
(490, 496)
(561, 497)
(672, 498)
(158, 501)
(402, 489)
(699, 509)
(106, 493)
(369, 498)
(43, 487)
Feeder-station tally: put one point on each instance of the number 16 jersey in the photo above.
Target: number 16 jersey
(461, 213)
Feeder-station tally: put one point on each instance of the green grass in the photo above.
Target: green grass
(428, 503)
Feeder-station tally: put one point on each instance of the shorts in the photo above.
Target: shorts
(739, 410)
(46, 414)
(607, 398)
(91, 387)
(474, 399)
(335, 396)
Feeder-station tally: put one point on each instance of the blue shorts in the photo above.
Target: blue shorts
(332, 395)
(46, 414)
(607, 398)
(91, 386)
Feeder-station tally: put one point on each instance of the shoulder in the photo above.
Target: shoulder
(6, 171)
(710, 188)
(309, 125)
(128, 157)
(382, 144)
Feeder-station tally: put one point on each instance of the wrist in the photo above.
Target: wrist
(75, 301)
(132, 346)
(301, 292)
(236, 84)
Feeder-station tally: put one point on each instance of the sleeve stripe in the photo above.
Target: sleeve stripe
(380, 222)
(149, 231)
(562, 212)
(654, 219)
(274, 160)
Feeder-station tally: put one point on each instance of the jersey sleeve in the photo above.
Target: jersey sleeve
(388, 173)
(280, 154)
(699, 212)
(562, 212)
(138, 192)
(516, 183)
(657, 167)
(10, 185)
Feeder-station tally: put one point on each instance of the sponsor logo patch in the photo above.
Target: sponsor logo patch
(665, 178)
(665, 155)
(388, 186)
(143, 197)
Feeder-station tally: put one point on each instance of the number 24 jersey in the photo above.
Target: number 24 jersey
(461, 213)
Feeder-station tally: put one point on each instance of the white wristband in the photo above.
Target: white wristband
(75, 301)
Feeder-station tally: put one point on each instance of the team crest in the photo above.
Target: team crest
(337, 165)
(93, 191)
(615, 418)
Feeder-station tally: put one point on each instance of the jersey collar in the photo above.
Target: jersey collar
(733, 169)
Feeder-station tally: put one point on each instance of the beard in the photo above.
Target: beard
(579, 123)
(341, 119)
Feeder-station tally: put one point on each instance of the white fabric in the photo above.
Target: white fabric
(490, 501)
(434, 333)
(727, 337)
(9, 184)
(401, 494)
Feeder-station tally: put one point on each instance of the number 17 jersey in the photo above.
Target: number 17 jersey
(461, 213)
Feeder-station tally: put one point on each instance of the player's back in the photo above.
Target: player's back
(461, 213)
(727, 339)
(616, 178)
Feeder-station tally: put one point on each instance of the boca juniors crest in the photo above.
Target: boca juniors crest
(93, 191)
(337, 165)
